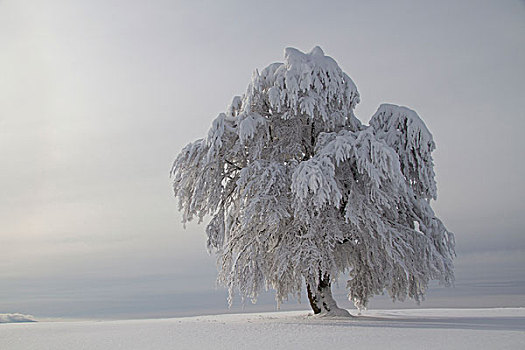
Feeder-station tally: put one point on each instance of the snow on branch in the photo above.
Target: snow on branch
(299, 190)
(405, 132)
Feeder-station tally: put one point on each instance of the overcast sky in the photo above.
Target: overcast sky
(98, 97)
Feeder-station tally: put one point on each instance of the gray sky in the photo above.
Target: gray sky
(97, 98)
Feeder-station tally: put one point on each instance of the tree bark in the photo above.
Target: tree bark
(313, 301)
(321, 299)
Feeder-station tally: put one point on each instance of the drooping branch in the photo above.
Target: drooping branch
(295, 183)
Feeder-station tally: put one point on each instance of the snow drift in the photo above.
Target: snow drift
(16, 318)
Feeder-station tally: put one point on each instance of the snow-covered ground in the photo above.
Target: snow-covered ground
(379, 329)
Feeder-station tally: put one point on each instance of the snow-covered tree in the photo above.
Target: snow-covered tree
(300, 191)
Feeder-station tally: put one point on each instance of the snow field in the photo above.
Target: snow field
(394, 329)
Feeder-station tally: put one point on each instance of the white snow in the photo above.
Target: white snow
(378, 329)
(14, 318)
(298, 188)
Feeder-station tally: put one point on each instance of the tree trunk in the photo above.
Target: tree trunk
(321, 299)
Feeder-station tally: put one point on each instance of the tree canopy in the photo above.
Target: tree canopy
(299, 190)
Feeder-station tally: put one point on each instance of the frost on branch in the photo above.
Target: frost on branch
(403, 130)
(299, 190)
